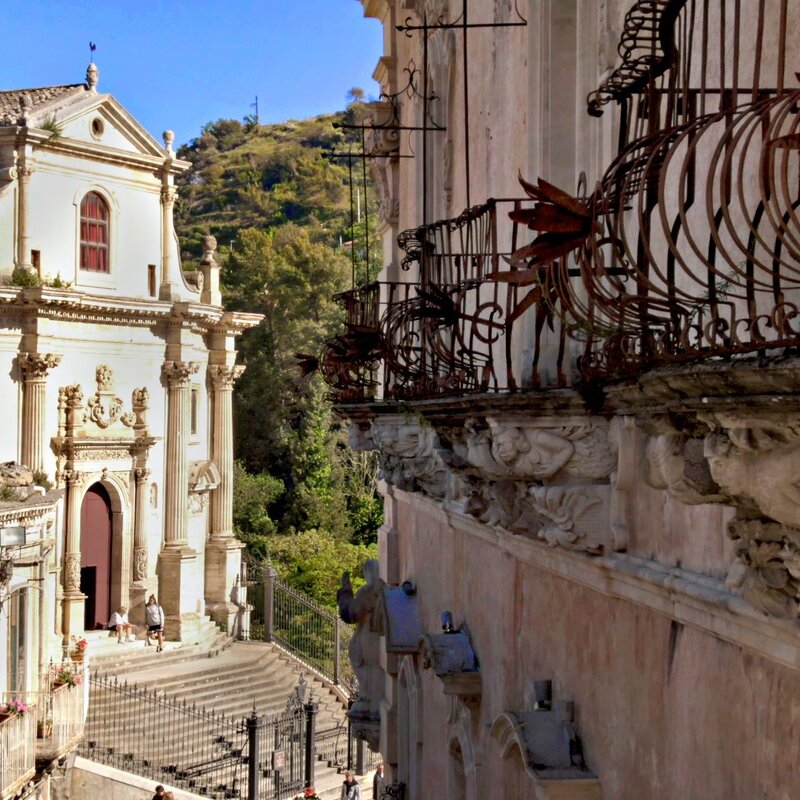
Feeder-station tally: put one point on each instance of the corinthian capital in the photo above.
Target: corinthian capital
(223, 377)
(179, 373)
(35, 366)
(168, 195)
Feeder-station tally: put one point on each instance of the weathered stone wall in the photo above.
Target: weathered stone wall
(664, 709)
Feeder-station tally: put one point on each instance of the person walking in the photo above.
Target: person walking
(350, 788)
(154, 619)
(378, 782)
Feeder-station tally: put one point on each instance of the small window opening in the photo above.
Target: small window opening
(97, 127)
(36, 260)
(151, 280)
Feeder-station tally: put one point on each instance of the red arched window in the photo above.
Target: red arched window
(94, 233)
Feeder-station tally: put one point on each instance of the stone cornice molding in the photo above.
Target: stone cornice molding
(178, 374)
(697, 601)
(76, 306)
(36, 366)
(224, 377)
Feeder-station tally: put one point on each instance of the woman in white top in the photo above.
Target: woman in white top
(119, 623)
(154, 619)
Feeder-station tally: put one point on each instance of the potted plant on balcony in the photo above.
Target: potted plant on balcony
(44, 728)
(66, 677)
(14, 708)
(77, 648)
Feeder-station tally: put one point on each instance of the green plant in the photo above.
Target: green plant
(8, 494)
(24, 278)
(40, 478)
(50, 124)
(57, 283)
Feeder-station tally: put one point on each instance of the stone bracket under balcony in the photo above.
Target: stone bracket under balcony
(453, 661)
(551, 477)
(729, 432)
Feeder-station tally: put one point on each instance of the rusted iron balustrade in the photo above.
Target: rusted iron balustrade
(452, 328)
(693, 250)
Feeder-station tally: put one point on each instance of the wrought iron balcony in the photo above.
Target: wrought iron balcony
(691, 248)
(461, 327)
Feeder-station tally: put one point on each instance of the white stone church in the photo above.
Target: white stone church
(116, 378)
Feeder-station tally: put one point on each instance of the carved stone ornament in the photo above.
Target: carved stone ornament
(72, 572)
(140, 564)
(452, 659)
(178, 374)
(571, 518)
(36, 366)
(362, 608)
(767, 568)
(105, 408)
(223, 376)
(385, 144)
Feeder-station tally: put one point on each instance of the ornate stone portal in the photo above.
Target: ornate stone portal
(98, 441)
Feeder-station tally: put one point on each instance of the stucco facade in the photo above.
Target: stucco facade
(598, 492)
(118, 375)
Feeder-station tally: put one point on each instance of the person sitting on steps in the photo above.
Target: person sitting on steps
(154, 619)
(119, 623)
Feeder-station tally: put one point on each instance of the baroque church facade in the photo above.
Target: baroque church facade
(118, 371)
(582, 387)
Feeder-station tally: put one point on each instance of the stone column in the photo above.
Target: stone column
(222, 379)
(168, 289)
(74, 599)
(178, 377)
(140, 586)
(177, 561)
(34, 368)
(23, 259)
(223, 551)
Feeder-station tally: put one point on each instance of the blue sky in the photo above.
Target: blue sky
(183, 63)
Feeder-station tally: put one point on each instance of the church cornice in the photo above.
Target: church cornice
(73, 306)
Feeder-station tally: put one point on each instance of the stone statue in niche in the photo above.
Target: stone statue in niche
(362, 609)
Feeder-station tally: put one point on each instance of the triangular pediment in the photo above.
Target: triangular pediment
(97, 119)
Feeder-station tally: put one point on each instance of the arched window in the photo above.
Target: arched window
(94, 233)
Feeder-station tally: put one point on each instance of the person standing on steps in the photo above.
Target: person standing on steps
(160, 790)
(350, 788)
(154, 619)
(378, 783)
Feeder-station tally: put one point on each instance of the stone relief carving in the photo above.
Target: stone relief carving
(179, 373)
(363, 610)
(676, 464)
(567, 521)
(36, 366)
(105, 408)
(223, 376)
(72, 572)
(385, 144)
(140, 564)
(546, 478)
(767, 568)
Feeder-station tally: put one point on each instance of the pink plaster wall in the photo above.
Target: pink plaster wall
(664, 711)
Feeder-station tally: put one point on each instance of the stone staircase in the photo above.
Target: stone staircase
(215, 672)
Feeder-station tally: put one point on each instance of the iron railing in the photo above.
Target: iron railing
(17, 752)
(311, 633)
(691, 244)
(462, 325)
(202, 750)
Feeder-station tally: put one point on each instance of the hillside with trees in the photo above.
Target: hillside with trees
(281, 214)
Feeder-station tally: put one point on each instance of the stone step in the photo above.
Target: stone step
(211, 673)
